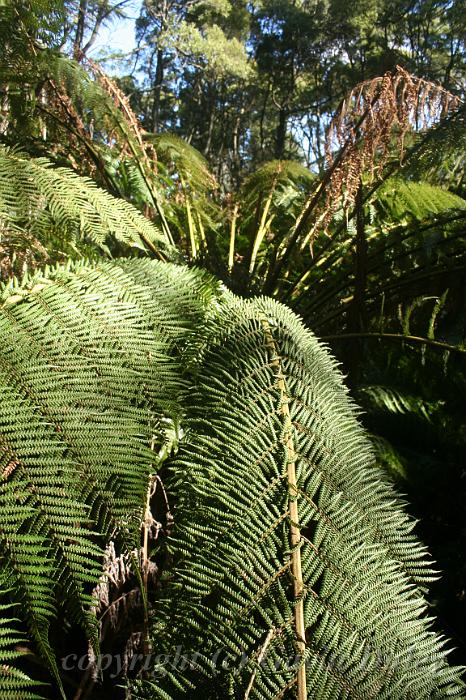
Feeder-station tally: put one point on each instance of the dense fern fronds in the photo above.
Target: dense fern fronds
(268, 204)
(440, 157)
(389, 399)
(380, 402)
(180, 156)
(389, 459)
(189, 192)
(88, 372)
(413, 246)
(76, 114)
(289, 547)
(14, 683)
(399, 200)
(291, 551)
(55, 203)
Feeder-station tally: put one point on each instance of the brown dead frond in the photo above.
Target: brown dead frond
(78, 136)
(146, 151)
(19, 251)
(8, 459)
(372, 121)
(118, 590)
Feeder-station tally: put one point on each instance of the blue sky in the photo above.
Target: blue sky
(118, 35)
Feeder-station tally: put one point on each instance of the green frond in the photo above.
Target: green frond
(440, 157)
(267, 395)
(14, 683)
(284, 522)
(179, 156)
(281, 171)
(37, 198)
(389, 459)
(404, 200)
(384, 398)
(88, 365)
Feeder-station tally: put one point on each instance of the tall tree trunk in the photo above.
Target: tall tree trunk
(281, 134)
(210, 129)
(80, 27)
(155, 115)
(262, 118)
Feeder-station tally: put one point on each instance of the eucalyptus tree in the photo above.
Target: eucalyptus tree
(193, 59)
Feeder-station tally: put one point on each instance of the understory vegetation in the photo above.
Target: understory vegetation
(232, 360)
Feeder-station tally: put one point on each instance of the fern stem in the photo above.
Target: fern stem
(192, 231)
(145, 556)
(189, 216)
(201, 231)
(260, 658)
(295, 533)
(397, 336)
(231, 252)
(262, 230)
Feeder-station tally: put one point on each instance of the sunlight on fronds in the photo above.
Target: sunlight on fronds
(39, 200)
(283, 522)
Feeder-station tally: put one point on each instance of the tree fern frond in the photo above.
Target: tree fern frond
(37, 197)
(267, 396)
(180, 156)
(14, 683)
(389, 399)
(441, 156)
(389, 458)
(283, 170)
(398, 199)
(88, 364)
(27, 564)
(290, 550)
(112, 116)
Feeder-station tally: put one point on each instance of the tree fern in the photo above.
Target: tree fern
(275, 469)
(441, 156)
(189, 189)
(87, 365)
(288, 544)
(65, 212)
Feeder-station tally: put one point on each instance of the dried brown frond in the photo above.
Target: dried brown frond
(8, 459)
(130, 138)
(19, 251)
(121, 101)
(118, 97)
(119, 604)
(78, 137)
(372, 120)
(118, 589)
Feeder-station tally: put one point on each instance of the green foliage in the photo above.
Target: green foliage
(441, 156)
(232, 586)
(14, 684)
(64, 213)
(269, 201)
(399, 200)
(113, 367)
(386, 398)
(98, 362)
(413, 252)
(100, 376)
